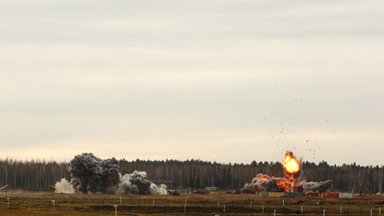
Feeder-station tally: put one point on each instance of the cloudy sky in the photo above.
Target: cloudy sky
(218, 80)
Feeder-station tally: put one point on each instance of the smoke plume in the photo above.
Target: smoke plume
(63, 186)
(90, 174)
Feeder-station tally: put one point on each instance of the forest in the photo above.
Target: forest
(37, 175)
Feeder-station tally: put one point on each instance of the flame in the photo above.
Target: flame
(291, 165)
(284, 183)
(292, 168)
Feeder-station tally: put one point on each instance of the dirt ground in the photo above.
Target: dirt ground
(43, 203)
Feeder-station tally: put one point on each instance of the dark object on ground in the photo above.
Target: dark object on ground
(234, 192)
(173, 192)
(200, 192)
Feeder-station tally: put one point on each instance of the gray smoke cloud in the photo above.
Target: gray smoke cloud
(63, 186)
(321, 187)
(263, 182)
(138, 183)
(267, 183)
(90, 174)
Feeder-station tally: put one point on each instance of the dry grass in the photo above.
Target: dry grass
(27, 203)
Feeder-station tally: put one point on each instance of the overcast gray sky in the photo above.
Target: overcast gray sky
(217, 80)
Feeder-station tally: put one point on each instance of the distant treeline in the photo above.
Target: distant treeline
(196, 174)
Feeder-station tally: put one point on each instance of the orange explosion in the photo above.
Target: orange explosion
(291, 165)
(285, 184)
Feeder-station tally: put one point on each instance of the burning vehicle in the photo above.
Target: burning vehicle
(292, 182)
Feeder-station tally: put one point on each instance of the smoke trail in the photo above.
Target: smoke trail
(90, 174)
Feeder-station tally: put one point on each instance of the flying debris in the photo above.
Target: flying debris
(4, 187)
(90, 174)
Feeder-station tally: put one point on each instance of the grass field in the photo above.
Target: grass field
(28, 203)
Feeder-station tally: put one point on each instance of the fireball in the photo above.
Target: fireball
(291, 165)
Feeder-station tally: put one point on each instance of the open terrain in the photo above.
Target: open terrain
(33, 203)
